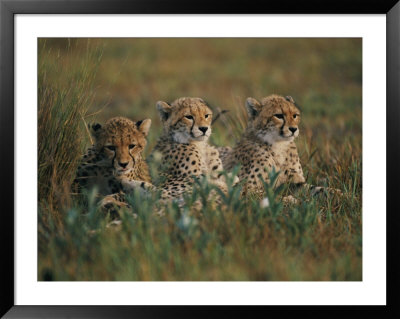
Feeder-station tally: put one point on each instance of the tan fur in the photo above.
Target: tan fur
(267, 144)
(185, 152)
(114, 164)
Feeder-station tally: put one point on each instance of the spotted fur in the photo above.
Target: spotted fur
(184, 149)
(114, 164)
(267, 144)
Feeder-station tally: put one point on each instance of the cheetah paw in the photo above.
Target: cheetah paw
(290, 200)
(326, 190)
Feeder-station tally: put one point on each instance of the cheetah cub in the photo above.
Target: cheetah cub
(267, 144)
(183, 147)
(114, 164)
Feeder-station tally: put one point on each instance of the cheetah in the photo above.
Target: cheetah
(114, 164)
(183, 147)
(268, 144)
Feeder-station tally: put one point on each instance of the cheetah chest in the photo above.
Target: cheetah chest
(287, 162)
(184, 160)
(93, 176)
(279, 151)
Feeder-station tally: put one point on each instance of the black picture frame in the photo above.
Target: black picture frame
(8, 10)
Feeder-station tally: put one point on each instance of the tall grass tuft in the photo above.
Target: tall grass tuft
(62, 109)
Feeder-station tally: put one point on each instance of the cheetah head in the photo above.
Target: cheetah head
(186, 119)
(120, 143)
(274, 119)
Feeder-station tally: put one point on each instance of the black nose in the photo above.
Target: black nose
(203, 129)
(293, 129)
(123, 165)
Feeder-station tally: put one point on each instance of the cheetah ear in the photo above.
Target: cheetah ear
(253, 107)
(290, 99)
(164, 109)
(144, 126)
(95, 129)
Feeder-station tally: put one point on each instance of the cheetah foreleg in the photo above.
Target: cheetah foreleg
(130, 186)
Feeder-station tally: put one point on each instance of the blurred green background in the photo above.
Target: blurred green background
(323, 75)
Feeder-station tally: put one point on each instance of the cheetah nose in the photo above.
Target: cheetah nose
(203, 129)
(123, 165)
(293, 129)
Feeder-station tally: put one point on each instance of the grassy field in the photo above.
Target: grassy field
(83, 81)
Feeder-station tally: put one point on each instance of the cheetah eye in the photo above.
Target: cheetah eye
(207, 115)
(295, 115)
(131, 146)
(279, 116)
(189, 117)
(111, 147)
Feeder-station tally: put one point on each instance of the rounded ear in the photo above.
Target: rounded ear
(253, 107)
(164, 109)
(290, 99)
(144, 126)
(95, 129)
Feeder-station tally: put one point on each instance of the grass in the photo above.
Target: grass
(83, 81)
